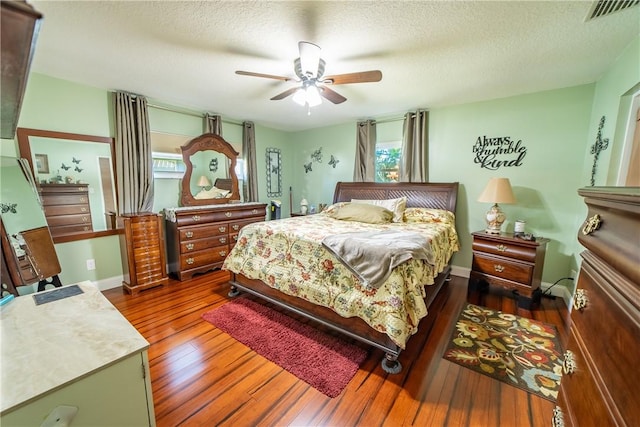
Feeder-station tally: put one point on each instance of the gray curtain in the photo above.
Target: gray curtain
(364, 169)
(134, 165)
(415, 147)
(250, 183)
(213, 124)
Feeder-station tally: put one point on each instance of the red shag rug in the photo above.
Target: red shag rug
(325, 362)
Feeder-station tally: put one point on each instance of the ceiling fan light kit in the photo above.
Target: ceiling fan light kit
(309, 68)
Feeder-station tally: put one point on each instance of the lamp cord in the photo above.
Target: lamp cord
(546, 292)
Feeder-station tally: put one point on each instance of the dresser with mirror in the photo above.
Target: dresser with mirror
(205, 228)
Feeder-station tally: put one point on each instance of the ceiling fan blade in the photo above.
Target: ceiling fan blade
(361, 77)
(309, 58)
(285, 94)
(266, 76)
(331, 95)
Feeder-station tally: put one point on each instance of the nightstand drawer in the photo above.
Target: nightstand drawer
(506, 249)
(503, 268)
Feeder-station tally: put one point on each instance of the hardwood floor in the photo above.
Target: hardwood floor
(201, 376)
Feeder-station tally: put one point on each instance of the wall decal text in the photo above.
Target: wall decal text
(495, 152)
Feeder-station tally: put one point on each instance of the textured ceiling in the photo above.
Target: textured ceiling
(431, 54)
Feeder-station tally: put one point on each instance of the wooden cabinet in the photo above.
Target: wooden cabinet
(143, 252)
(199, 238)
(510, 262)
(599, 385)
(66, 207)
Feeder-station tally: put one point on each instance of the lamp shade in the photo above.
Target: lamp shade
(498, 190)
(203, 181)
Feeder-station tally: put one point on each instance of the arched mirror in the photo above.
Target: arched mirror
(210, 176)
(76, 181)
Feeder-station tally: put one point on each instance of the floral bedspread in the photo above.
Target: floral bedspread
(288, 255)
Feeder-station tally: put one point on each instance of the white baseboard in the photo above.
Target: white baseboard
(556, 291)
(108, 283)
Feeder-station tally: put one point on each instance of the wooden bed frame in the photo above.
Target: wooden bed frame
(426, 195)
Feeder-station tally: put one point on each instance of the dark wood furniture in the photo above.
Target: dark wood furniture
(600, 382)
(428, 195)
(143, 252)
(66, 207)
(19, 26)
(199, 238)
(510, 262)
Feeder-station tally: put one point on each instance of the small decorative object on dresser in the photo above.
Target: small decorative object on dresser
(143, 252)
(509, 261)
(601, 375)
(200, 237)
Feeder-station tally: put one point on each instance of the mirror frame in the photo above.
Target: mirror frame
(24, 148)
(274, 183)
(208, 141)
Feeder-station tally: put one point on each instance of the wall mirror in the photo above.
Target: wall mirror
(75, 177)
(274, 177)
(210, 176)
(26, 242)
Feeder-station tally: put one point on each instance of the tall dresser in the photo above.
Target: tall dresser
(200, 237)
(601, 376)
(143, 252)
(66, 207)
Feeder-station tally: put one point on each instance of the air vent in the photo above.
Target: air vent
(606, 7)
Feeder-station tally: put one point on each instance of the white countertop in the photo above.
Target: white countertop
(44, 347)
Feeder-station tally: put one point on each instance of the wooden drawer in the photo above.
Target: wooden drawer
(504, 248)
(202, 258)
(77, 219)
(503, 268)
(201, 244)
(65, 199)
(224, 215)
(236, 226)
(202, 232)
(63, 188)
(54, 210)
(67, 229)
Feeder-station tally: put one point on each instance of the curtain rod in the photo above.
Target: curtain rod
(189, 113)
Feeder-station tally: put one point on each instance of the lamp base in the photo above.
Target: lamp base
(495, 217)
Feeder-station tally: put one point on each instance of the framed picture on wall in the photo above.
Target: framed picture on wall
(42, 163)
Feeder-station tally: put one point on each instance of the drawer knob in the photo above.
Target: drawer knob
(498, 268)
(189, 234)
(222, 229)
(86, 228)
(85, 219)
(501, 248)
(80, 189)
(235, 238)
(190, 246)
(223, 240)
(580, 299)
(83, 199)
(558, 417)
(255, 211)
(196, 217)
(83, 209)
(228, 214)
(591, 225)
(569, 364)
(190, 261)
(223, 253)
(236, 227)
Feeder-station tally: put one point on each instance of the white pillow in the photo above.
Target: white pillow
(397, 206)
(213, 193)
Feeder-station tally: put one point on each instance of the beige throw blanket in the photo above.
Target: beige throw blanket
(372, 255)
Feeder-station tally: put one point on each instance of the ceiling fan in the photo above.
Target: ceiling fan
(309, 68)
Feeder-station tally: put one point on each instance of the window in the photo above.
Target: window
(168, 165)
(388, 161)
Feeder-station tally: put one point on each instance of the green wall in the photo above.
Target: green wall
(557, 128)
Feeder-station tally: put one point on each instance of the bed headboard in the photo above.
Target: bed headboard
(418, 194)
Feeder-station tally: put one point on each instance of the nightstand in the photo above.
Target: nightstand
(510, 262)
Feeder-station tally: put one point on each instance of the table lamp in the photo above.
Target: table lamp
(498, 190)
(203, 182)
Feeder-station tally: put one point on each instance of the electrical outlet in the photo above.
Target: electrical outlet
(91, 264)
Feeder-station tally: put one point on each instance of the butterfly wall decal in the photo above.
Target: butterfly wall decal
(9, 207)
(333, 162)
(77, 169)
(65, 167)
(76, 161)
(274, 169)
(307, 168)
(316, 156)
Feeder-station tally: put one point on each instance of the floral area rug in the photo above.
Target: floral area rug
(518, 351)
